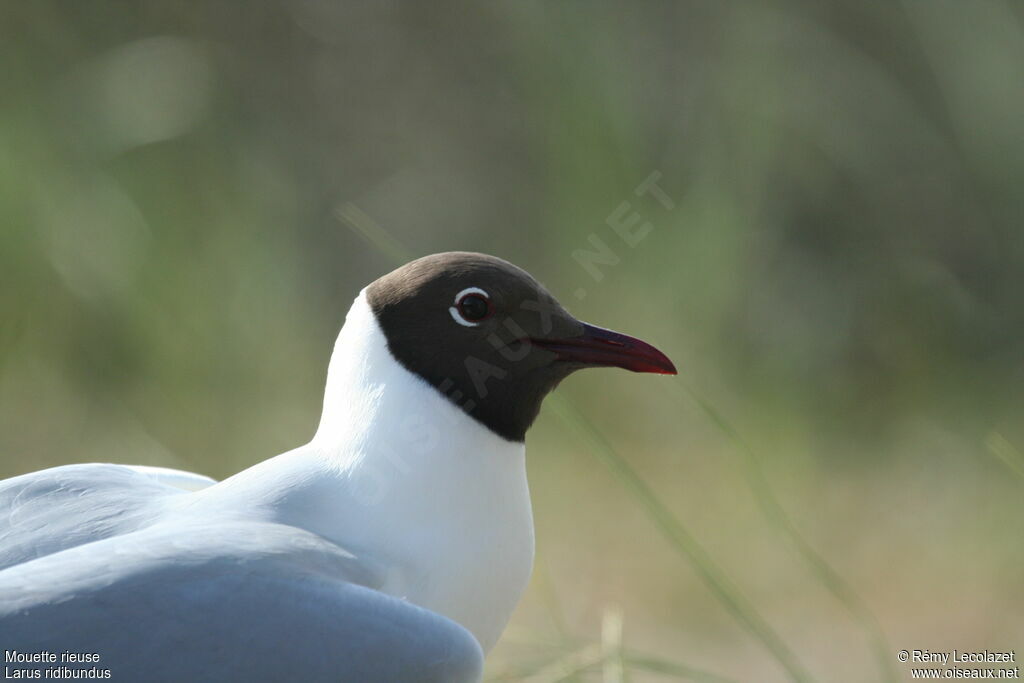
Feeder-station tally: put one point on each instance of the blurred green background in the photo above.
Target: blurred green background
(192, 193)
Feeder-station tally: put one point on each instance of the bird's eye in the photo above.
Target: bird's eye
(474, 307)
(471, 306)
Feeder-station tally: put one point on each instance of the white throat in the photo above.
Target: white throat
(399, 474)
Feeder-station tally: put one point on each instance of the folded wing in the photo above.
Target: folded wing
(239, 601)
(62, 507)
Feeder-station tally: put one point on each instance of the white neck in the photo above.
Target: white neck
(398, 473)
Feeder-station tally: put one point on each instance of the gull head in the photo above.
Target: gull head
(491, 338)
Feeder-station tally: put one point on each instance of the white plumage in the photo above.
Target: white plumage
(372, 553)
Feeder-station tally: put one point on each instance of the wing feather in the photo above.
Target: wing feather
(227, 602)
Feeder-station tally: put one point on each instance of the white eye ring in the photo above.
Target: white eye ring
(454, 310)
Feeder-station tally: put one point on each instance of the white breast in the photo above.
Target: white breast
(398, 473)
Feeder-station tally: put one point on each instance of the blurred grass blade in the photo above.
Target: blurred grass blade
(654, 665)
(361, 222)
(612, 669)
(631, 661)
(778, 517)
(999, 446)
(684, 542)
(567, 667)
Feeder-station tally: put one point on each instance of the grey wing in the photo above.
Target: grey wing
(58, 508)
(227, 602)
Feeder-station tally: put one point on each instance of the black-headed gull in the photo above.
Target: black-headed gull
(394, 546)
